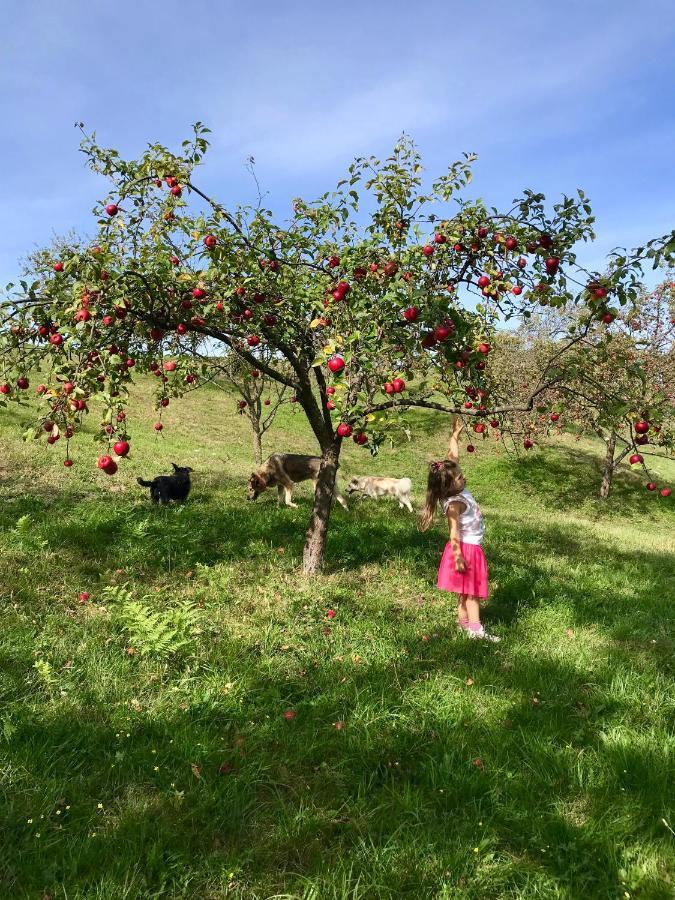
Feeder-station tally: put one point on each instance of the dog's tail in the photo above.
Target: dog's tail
(144, 483)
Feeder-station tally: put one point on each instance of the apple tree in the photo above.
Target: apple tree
(616, 382)
(381, 295)
(260, 397)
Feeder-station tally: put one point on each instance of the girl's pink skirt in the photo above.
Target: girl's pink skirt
(473, 582)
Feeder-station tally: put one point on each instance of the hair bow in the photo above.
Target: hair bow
(437, 466)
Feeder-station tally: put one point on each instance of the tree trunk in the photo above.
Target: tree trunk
(315, 540)
(608, 471)
(257, 442)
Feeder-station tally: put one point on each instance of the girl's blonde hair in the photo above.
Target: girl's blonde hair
(444, 480)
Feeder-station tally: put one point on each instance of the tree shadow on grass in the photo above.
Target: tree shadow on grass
(422, 772)
(568, 479)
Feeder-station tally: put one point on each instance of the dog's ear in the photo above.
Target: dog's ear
(176, 468)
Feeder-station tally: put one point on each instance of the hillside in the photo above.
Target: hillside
(412, 762)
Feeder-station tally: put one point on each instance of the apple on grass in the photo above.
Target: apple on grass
(665, 492)
(107, 464)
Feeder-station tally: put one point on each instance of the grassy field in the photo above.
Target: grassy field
(413, 763)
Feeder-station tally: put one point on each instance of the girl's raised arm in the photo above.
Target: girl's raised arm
(453, 449)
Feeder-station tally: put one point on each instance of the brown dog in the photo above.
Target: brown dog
(284, 470)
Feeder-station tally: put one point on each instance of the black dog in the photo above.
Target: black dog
(169, 487)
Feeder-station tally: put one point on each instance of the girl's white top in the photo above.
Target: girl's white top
(471, 525)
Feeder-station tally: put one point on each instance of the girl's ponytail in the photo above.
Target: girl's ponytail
(434, 487)
(441, 483)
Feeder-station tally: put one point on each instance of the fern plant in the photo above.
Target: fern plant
(160, 632)
(157, 632)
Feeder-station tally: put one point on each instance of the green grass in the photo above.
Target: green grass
(110, 762)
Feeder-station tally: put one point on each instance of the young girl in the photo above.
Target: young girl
(463, 569)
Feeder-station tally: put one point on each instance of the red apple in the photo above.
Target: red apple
(554, 417)
(411, 313)
(545, 241)
(111, 209)
(333, 262)
(398, 385)
(359, 273)
(156, 334)
(428, 341)
(483, 281)
(210, 241)
(55, 340)
(336, 364)
(330, 390)
(266, 402)
(198, 293)
(84, 596)
(344, 430)
(641, 427)
(608, 318)
(479, 428)
(390, 269)
(442, 332)
(176, 190)
(470, 448)
(635, 458)
(527, 444)
(428, 250)
(107, 464)
(158, 426)
(552, 264)
(665, 492)
(511, 242)
(174, 260)
(484, 349)
(494, 423)
(516, 290)
(170, 365)
(651, 486)
(330, 405)
(58, 267)
(270, 320)
(242, 404)
(22, 384)
(373, 267)
(360, 438)
(67, 463)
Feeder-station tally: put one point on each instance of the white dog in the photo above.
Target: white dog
(381, 486)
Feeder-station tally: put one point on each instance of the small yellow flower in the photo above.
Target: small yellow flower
(156, 768)
(99, 806)
(29, 821)
(58, 812)
(37, 834)
(475, 849)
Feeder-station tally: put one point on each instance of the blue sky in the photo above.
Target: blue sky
(550, 96)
